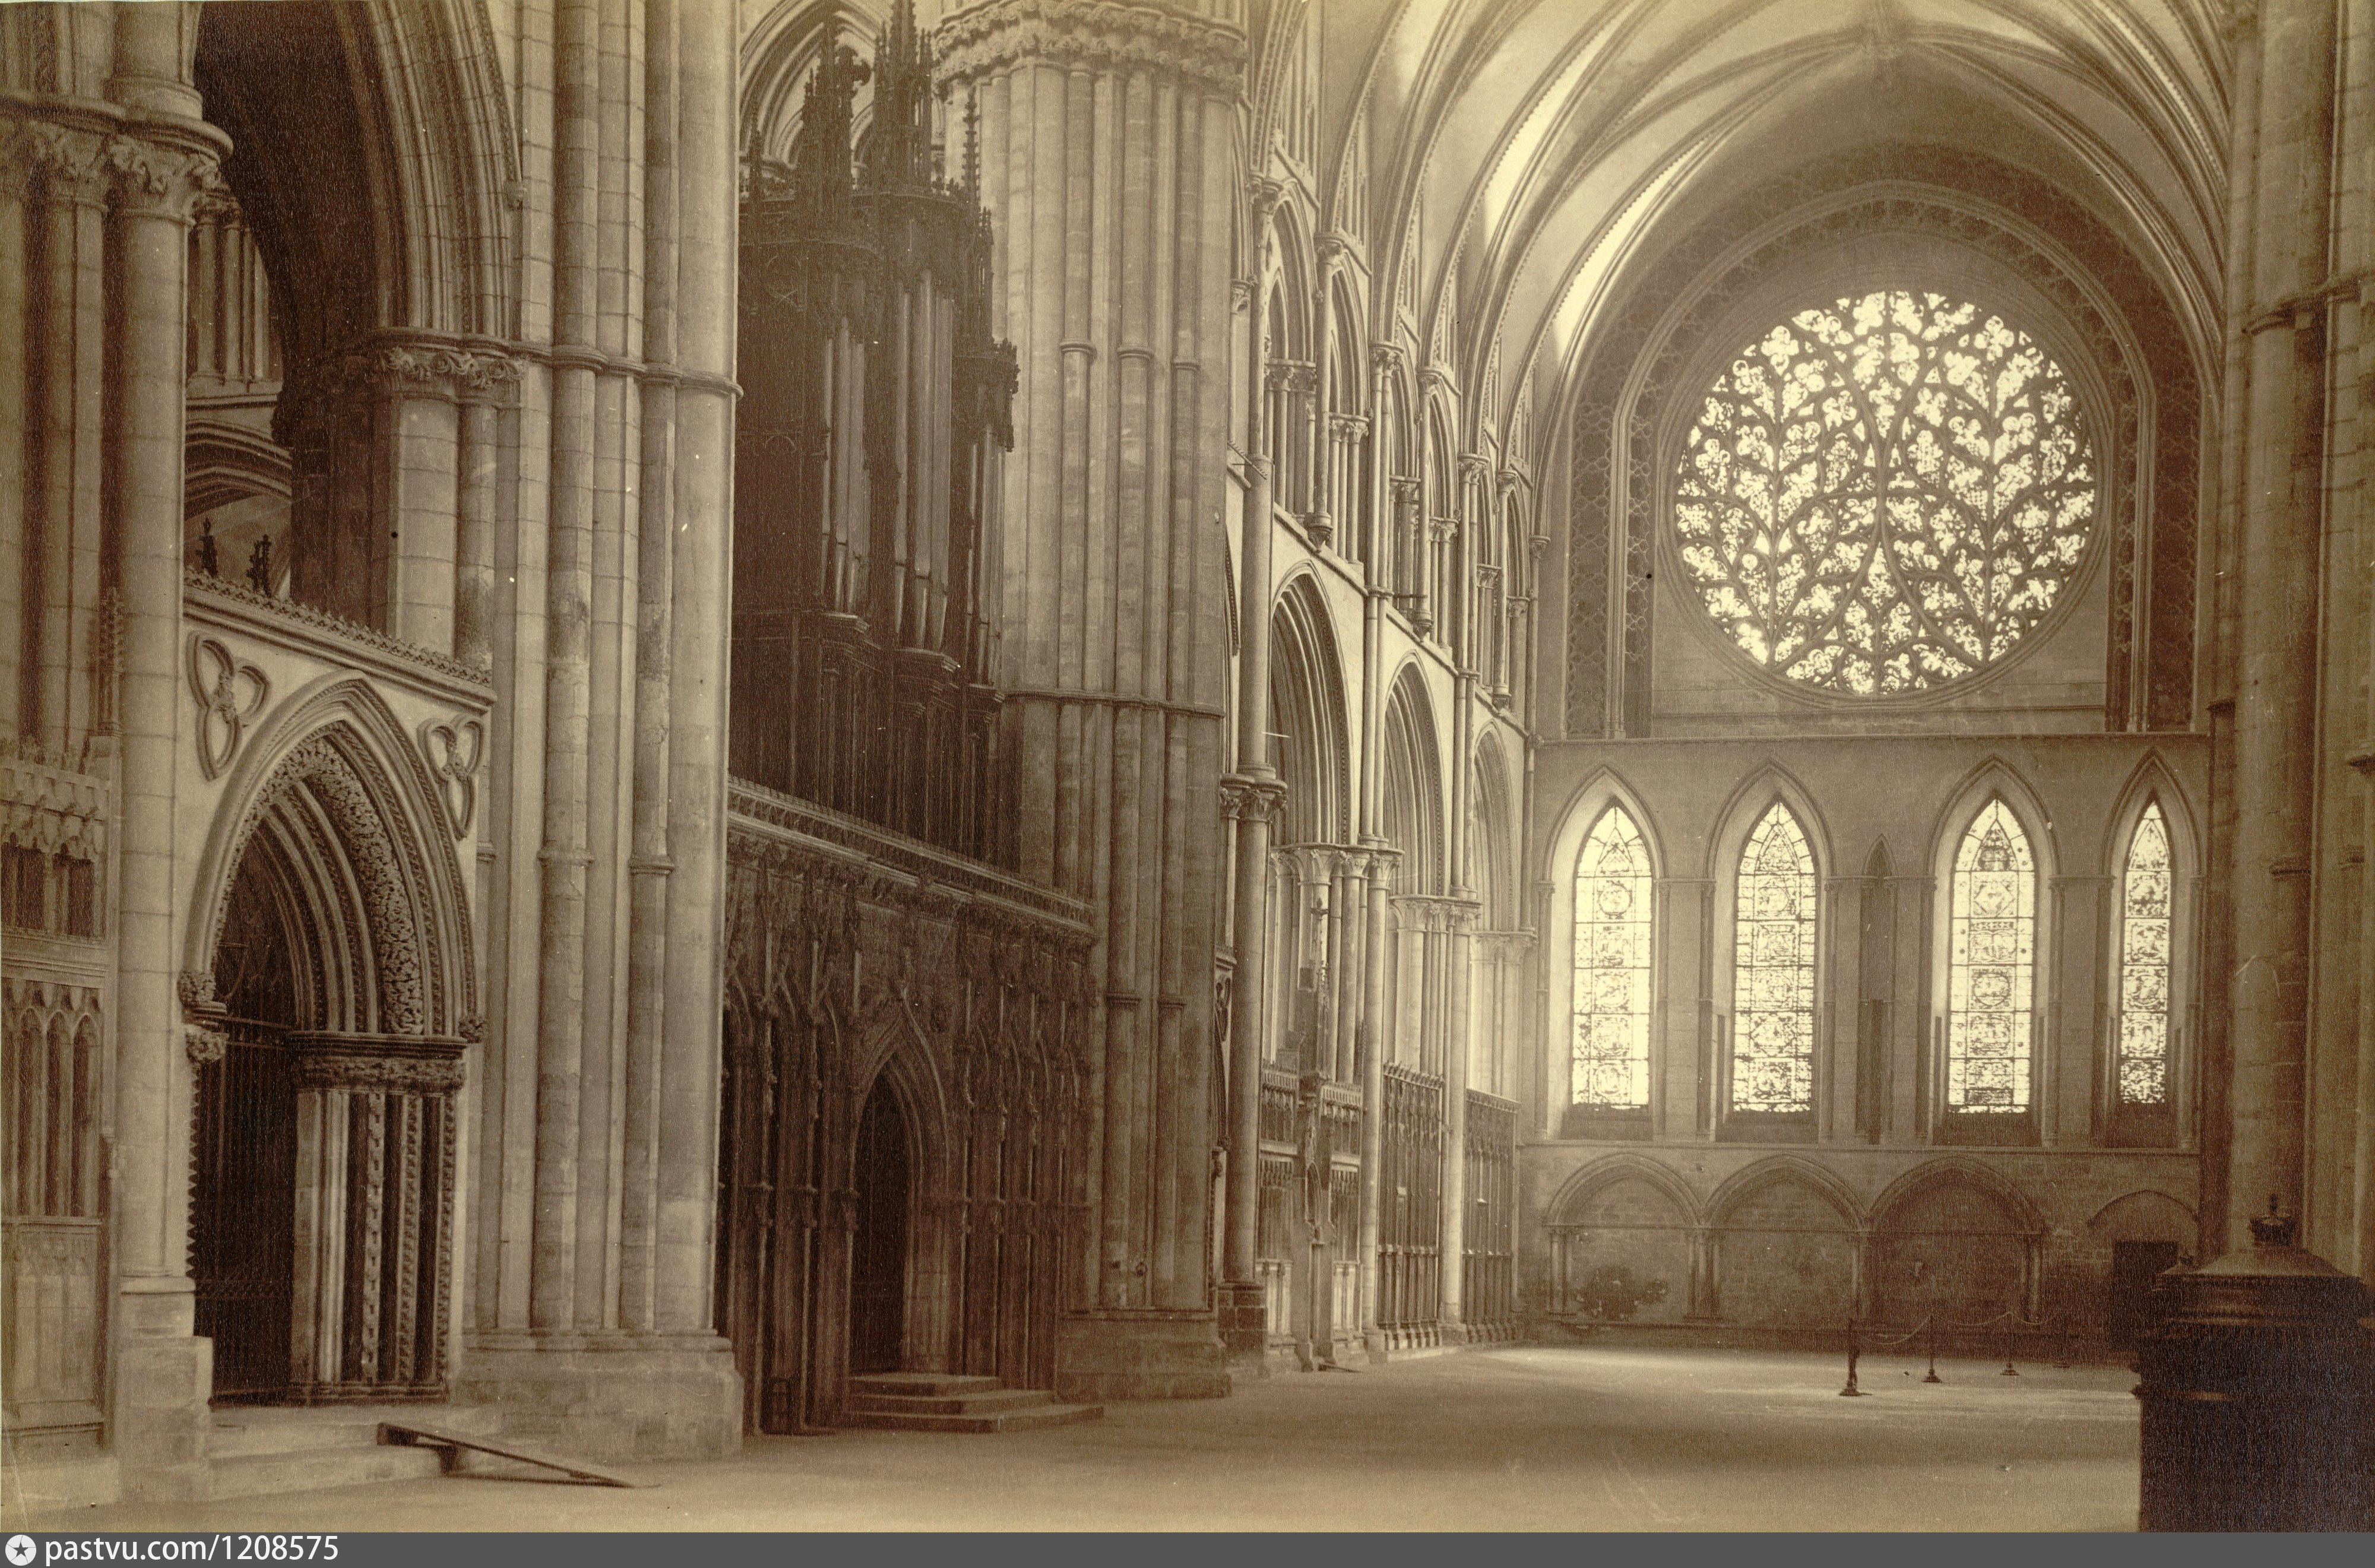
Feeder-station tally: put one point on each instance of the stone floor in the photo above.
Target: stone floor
(1522, 1438)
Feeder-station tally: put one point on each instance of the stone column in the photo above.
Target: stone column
(1106, 165)
(607, 1332)
(164, 155)
(1253, 802)
(2279, 536)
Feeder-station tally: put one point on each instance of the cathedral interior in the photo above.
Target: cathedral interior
(705, 699)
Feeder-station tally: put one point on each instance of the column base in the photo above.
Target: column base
(1140, 1353)
(640, 1398)
(1243, 1325)
(164, 1377)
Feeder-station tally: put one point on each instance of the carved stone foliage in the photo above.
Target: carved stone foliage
(387, 869)
(49, 807)
(231, 694)
(410, 1064)
(1094, 35)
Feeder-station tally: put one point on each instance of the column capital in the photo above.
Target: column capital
(1265, 194)
(1386, 356)
(69, 161)
(1291, 376)
(1475, 465)
(1405, 488)
(1251, 798)
(1094, 35)
(154, 180)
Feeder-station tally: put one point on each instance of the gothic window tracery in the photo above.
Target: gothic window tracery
(2143, 1037)
(1991, 966)
(1773, 973)
(1886, 493)
(1612, 965)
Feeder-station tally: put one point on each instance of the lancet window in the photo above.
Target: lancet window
(1611, 966)
(1992, 967)
(1773, 968)
(2144, 930)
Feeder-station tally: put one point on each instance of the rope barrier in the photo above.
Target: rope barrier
(2008, 1321)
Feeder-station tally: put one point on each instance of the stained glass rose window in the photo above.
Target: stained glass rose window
(1885, 493)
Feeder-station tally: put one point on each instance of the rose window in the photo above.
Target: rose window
(1886, 493)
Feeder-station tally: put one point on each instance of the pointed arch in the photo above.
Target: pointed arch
(1784, 1170)
(1413, 786)
(1774, 900)
(1308, 714)
(351, 805)
(779, 52)
(2152, 864)
(1994, 973)
(1960, 1170)
(1611, 1170)
(1613, 952)
(1491, 860)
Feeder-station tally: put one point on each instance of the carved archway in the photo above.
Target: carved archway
(329, 993)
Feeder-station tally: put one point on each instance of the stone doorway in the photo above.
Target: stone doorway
(877, 1284)
(243, 1199)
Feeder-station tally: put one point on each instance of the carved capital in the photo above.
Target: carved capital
(160, 182)
(206, 1046)
(472, 1029)
(1265, 194)
(1252, 799)
(414, 1064)
(1405, 489)
(1332, 247)
(1386, 356)
(70, 164)
(1350, 426)
(1475, 467)
(1094, 35)
(197, 989)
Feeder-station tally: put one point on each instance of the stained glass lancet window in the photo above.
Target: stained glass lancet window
(1612, 965)
(1992, 964)
(2143, 963)
(1773, 968)
(1885, 493)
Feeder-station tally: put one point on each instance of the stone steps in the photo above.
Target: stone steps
(255, 1450)
(917, 1401)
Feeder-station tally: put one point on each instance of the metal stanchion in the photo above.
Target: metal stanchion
(1851, 1391)
(1934, 1377)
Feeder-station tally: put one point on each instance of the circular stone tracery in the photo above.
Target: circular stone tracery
(1884, 494)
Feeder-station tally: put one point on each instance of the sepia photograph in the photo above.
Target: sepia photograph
(782, 767)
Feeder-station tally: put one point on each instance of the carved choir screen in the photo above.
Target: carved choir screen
(1410, 1228)
(1489, 1293)
(845, 979)
(876, 405)
(1308, 1236)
